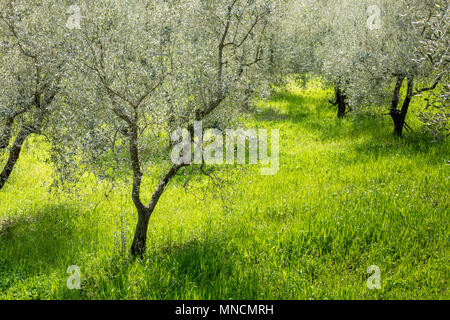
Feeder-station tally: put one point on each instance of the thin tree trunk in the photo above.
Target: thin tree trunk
(144, 213)
(341, 102)
(396, 96)
(140, 234)
(14, 154)
(399, 116)
(5, 137)
(394, 112)
(406, 104)
(247, 96)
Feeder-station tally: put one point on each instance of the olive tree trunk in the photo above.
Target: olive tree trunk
(145, 212)
(140, 234)
(14, 154)
(399, 116)
(5, 137)
(340, 100)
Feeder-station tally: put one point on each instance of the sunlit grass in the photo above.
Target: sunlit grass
(348, 195)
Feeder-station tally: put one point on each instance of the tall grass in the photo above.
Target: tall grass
(348, 195)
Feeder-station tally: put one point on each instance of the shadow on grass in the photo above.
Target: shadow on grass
(295, 108)
(436, 152)
(37, 242)
(316, 116)
(198, 259)
(203, 267)
(195, 268)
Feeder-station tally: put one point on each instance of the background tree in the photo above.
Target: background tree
(31, 73)
(335, 25)
(420, 52)
(408, 43)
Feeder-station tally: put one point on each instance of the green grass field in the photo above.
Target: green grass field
(348, 195)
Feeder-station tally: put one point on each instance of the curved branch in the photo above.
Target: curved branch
(433, 86)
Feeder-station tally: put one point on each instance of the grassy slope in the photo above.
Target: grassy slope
(348, 195)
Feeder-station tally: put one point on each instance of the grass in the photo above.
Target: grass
(348, 195)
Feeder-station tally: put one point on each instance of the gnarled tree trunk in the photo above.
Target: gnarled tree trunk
(14, 154)
(340, 100)
(5, 137)
(145, 212)
(399, 116)
(140, 234)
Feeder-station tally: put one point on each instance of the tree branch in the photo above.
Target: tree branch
(433, 86)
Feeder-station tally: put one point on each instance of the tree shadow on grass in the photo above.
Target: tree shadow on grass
(318, 117)
(435, 152)
(272, 115)
(37, 242)
(208, 269)
(211, 268)
(293, 108)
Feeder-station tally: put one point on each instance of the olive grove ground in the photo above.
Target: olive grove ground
(348, 195)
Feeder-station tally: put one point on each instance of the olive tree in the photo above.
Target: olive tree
(417, 35)
(374, 45)
(31, 72)
(322, 37)
(147, 67)
(332, 27)
(432, 20)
